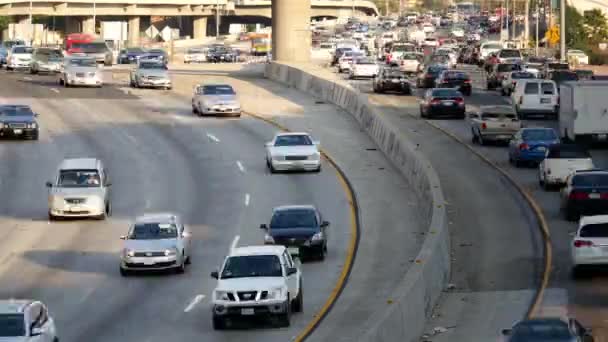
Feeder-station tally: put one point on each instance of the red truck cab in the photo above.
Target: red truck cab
(71, 39)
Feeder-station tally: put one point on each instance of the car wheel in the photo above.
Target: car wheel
(194, 109)
(270, 167)
(109, 209)
(124, 272)
(56, 339)
(218, 323)
(182, 267)
(475, 141)
(188, 260)
(52, 217)
(298, 303)
(322, 253)
(503, 92)
(102, 216)
(317, 170)
(285, 318)
(34, 136)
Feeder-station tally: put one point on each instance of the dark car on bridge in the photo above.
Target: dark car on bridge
(426, 79)
(442, 102)
(392, 79)
(130, 55)
(222, 54)
(18, 121)
(300, 228)
(455, 79)
(155, 54)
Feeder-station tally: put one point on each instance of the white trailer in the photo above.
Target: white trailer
(583, 112)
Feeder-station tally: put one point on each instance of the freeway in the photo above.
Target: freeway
(211, 171)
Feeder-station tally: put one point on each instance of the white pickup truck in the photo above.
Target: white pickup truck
(494, 123)
(257, 281)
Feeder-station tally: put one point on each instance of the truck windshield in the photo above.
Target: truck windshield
(91, 47)
(252, 266)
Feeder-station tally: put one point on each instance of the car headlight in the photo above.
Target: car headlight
(32, 125)
(277, 293)
(2, 125)
(171, 251)
(315, 156)
(128, 252)
(268, 239)
(220, 295)
(317, 237)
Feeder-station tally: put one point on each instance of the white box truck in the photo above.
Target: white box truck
(583, 111)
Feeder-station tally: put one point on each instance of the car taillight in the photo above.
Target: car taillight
(467, 81)
(459, 100)
(524, 146)
(578, 195)
(435, 101)
(582, 243)
(484, 125)
(604, 195)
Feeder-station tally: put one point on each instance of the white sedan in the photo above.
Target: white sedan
(588, 246)
(293, 151)
(363, 67)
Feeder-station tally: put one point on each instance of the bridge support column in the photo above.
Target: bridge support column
(133, 31)
(88, 25)
(291, 37)
(199, 27)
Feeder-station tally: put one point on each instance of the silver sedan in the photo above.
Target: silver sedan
(215, 99)
(293, 151)
(156, 242)
(150, 74)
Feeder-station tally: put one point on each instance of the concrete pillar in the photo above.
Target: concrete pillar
(88, 25)
(133, 31)
(199, 27)
(291, 37)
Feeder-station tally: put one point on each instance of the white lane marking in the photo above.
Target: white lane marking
(194, 302)
(55, 90)
(247, 199)
(240, 165)
(213, 137)
(148, 203)
(27, 78)
(235, 242)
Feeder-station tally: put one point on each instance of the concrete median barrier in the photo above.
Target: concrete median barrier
(406, 312)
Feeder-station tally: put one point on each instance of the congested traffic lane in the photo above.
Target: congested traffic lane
(160, 158)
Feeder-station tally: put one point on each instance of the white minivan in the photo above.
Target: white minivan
(535, 96)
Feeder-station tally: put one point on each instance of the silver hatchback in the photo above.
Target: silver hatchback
(156, 242)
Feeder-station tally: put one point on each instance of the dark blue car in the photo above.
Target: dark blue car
(130, 55)
(530, 145)
(300, 228)
(18, 121)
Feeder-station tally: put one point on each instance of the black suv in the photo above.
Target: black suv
(18, 121)
(392, 79)
(300, 228)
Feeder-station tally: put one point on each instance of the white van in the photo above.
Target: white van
(535, 96)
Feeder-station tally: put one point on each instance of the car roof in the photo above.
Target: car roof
(80, 57)
(293, 207)
(257, 250)
(159, 217)
(79, 164)
(585, 220)
(14, 305)
(281, 134)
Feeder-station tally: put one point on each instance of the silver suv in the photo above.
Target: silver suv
(81, 189)
(26, 321)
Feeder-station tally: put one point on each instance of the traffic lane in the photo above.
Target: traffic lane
(138, 138)
(584, 299)
(497, 251)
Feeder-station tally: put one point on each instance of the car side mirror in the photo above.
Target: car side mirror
(215, 275)
(292, 270)
(36, 332)
(325, 224)
(268, 144)
(264, 226)
(506, 332)
(123, 237)
(49, 184)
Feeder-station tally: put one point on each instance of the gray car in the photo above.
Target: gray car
(215, 99)
(80, 71)
(157, 241)
(97, 49)
(46, 60)
(150, 74)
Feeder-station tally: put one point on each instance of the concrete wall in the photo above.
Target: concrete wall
(421, 286)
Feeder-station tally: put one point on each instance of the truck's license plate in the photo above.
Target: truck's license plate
(17, 131)
(247, 312)
(545, 100)
(594, 196)
(602, 136)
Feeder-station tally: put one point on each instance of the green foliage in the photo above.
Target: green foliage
(576, 37)
(596, 27)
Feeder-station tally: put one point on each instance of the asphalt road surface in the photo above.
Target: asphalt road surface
(161, 158)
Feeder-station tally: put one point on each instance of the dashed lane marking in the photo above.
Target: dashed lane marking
(247, 199)
(240, 166)
(213, 138)
(197, 299)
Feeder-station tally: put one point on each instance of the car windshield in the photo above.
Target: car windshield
(510, 53)
(157, 51)
(135, 50)
(412, 56)
(568, 152)
(445, 93)
(88, 62)
(508, 67)
(16, 111)
(485, 116)
(153, 231)
(435, 69)
(395, 74)
(565, 76)
(91, 47)
(55, 56)
(596, 230)
(218, 90)
(22, 49)
(12, 325)
(79, 179)
(158, 66)
(294, 218)
(590, 179)
(252, 266)
(541, 331)
(522, 75)
(293, 140)
(539, 134)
